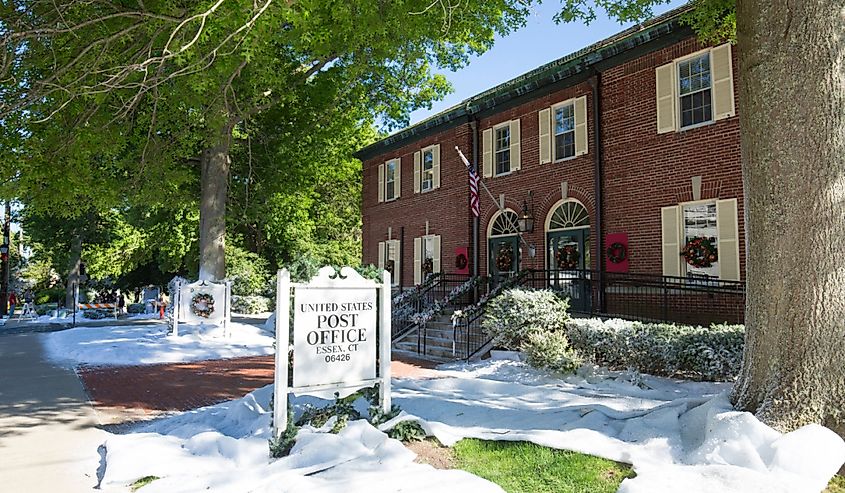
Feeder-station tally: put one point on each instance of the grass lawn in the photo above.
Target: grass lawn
(521, 467)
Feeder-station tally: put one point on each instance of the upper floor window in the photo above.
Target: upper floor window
(564, 131)
(390, 180)
(694, 90)
(427, 170)
(503, 149)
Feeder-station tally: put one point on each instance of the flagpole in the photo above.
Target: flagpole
(500, 206)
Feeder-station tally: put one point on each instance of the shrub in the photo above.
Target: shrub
(250, 305)
(54, 294)
(516, 313)
(247, 271)
(707, 353)
(135, 308)
(551, 351)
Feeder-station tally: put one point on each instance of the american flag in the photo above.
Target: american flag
(473, 193)
(473, 185)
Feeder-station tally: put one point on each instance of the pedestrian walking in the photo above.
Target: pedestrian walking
(13, 300)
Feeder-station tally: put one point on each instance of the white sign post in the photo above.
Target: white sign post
(341, 333)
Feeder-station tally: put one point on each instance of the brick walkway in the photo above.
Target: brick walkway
(128, 393)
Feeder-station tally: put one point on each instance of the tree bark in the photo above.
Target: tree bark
(73, 270)
(792, 115)
(214, 179)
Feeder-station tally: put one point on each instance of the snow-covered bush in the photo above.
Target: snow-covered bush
(516, 313)
(709, 353)
(551, 351)
(250, 305)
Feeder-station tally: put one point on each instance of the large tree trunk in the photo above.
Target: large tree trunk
(73, 271)
(214, 183)
(792, 113)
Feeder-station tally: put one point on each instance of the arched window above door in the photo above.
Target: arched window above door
(569, 214)
(504, 223)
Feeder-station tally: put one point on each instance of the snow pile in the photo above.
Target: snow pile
(679, 436)
(223, 448)
(149, 344)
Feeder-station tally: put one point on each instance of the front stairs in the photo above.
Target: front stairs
(438, 343)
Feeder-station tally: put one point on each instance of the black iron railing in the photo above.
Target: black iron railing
(645, 297)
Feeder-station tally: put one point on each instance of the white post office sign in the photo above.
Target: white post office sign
(341, 337)
(334, 335)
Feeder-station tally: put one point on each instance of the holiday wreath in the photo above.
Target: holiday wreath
(461, 261)
(700, 252)
(567, 257)
(504, 258)
(427, 266)
(617, 252)
(202, 305)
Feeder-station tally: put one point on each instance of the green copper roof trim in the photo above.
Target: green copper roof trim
(533, 80)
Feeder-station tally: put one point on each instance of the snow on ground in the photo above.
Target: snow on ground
(679, 436)
(80, 320)
(149, 344)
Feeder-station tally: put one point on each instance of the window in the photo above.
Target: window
(503, 149)
(564, 131)
(699, 221)
(426, 257)
(427, 170)
(694, 85)
(390, 180)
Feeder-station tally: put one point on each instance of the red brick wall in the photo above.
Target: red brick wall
(446, 209)
(643, 171)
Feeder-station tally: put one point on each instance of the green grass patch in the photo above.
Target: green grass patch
(520, 467)
(142, 482)
(836, 485)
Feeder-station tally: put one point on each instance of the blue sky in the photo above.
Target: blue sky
(539, 42)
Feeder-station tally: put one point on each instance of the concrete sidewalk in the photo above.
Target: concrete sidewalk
(48, 434)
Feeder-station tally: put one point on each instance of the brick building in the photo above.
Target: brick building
(628, 148)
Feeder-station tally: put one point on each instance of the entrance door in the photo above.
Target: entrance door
(504, 257)
(568, 257)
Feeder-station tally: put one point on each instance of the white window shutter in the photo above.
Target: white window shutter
(417, 260)
(665, 82)
(397, 261)
(516, 149)
(435, 260)
(670, 218)
(487, 152)
(545, 121)
(581, 126)
(381, 182)
(417, 172)
(381, 255)
(723, 85)
(727, 224)
(397, 182)
(435, 155)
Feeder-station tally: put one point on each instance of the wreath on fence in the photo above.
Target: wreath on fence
(504, 258)
(700, 252)
(617, 253)
(427, 266)
(567, 258)
(202, 305)
(461, 261)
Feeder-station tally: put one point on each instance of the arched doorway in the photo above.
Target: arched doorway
(568, 251)
(503, 245)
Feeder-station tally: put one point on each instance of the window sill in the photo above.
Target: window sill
(394, 199)
(564, 159)
(697, 125)
(502, 174)
(427, 190)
